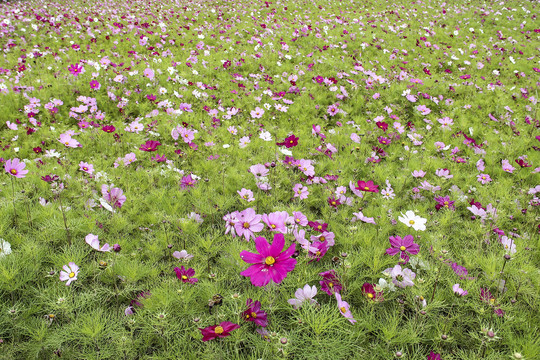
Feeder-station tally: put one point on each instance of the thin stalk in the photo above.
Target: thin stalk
(65, 220)
(14, 208)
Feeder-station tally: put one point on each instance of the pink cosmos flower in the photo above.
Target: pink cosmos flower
(369, 292)
(444, 173)
(459, 291)
(507, 167)
(246, 194)
(69, 273)
(149, 73)
(276, 221)
(187, 181)
(424, 110)
(222, 330)
(68, 141)
(15, 168)
(254, 313)
(93, 241)
(248, 223)
(150, 145)
(359, 216)
(300, 219)
(75, 70)
(325, 236)
(483, 178)
(343, 307)
(86, 167)
(114, 196)
(182, 255)
(258, 170)
(367, 186)
(304, 295)
(480, 165)
(270, 264)
(300, 191)
(231, 220)
(418, 173)
(444, 202)
(95, 85)
(257, 113)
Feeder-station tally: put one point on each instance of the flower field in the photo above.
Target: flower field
(296, 179)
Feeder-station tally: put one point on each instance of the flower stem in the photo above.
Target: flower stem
(65, 220)
(14, 208)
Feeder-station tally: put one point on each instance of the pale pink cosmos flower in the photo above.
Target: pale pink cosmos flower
(480, 165)
(418, 173)
(424, 110)
(355, 137)
(231, 220)
(300, 191)
(182, 255)
(359, 216)
(258, 170)
(327, 236)
(86, 167)
(509, 244)
(68, 141)
(15, 168)
(305, 167)
(304, 295)
(477, 211)
(459, 291)
(343, 307)
(439, 146)
(507, 167)
(114, 196)
(299, 219)
(93, 241)
(257, 113)
(149, 73)
(483, 178)
(444, 173)
(355, 191)
(246, 194)
(276, 221)
(69, 273)
(248, 223)
(401, 277)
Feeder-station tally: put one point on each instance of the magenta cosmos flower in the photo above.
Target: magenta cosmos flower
(369, 292)
(114, 196)
(186, 275)
(254, 313)
(150, 145)
(344, 308)
(403, 246)
(15, 168)
(222, 330)
(367, 186)
(248, 223)
(270, 263)
(330, 282)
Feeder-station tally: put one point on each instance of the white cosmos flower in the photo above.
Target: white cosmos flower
(5, 248)
(411, 219)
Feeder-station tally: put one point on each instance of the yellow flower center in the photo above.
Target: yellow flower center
(273, 226)
(421, 298)
(218, 330)
(71, 274)
(366, 188)
(297, 220)
(246, 225)
(13, 171)
(269, 260)
(330, 284)
(492, 301)
(370, 295)
(333, 203)
(483, 178)
(85, 168)
(184, 277)
(402, 248)
(67, 143)
(411, 222)
(446, 203)
(322, 239)
(318, 253)
(319, 227)
(342, 309)
(253, 315)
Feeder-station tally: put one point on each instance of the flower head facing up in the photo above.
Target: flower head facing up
(150, 145)
(412, 220)
(69, 273)
(270, 264)
(343, 307)
(185, 275)
(367, 186)
(222, 330)
(371, 294)
(401, 277)
(330, 283)
(187, 181)
(304, 295)
(15, 168)
(254, 313)
(403, 246)
(289, 142)
(248, 223)
(444, 202)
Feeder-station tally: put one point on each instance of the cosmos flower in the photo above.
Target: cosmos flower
(343, 307)
(371, 294)
(5, 248)
(86, 167)
(222, 330)
(401, 277)
(411, 219)
(248, 223)
(330, 283)
(367, 186)
(69, 273)
(254, 313)
(459, 291)
(402, 247)
(185, 275)
(15, 168)
(182, 255)
(289, 142)
(150, 145)
(93, 241)
(270, 264)
(303, 295)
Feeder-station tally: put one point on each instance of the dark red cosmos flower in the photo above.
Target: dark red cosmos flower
(222, 330)
(332, 201)
(433, 356)
(318, 226)
(382, 125)
(150, 145)
(254, 313)
(289, 142)
(49, 178)
(367, 186)
(369, 292)
(522, 163)
(108, 128)
(186, 275)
